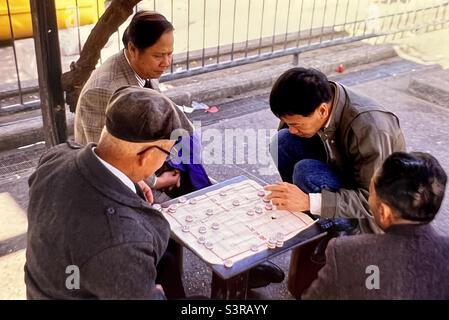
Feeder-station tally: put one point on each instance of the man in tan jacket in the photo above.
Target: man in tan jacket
(335, 141)
(148, 43)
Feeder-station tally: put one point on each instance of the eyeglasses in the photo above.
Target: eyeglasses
(170, 153)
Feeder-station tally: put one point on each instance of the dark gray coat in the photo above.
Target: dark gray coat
(413, 263)
(81, 214)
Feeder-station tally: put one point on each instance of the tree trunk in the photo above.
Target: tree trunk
(74, 80)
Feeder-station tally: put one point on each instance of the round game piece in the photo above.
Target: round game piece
(272, 243)
(250, 212)
(235, 203)
(269, 206)
(279, 243)
(165, 205)
(258, 210)
(157, 207)
(209, 212)
(254, 248)
(185, 228)
(215, 226)
(182, 199)
(222, 193)
(228, 263)
(192, 201)
(172, 208)
(261, 193)
(209, 245)
(265, 199)
(201, 239)
(189, 218)
(202, 229)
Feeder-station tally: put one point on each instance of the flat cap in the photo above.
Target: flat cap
(138, 114)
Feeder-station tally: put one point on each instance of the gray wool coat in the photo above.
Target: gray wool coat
(407, 262)
(81, 216)
(90, 116)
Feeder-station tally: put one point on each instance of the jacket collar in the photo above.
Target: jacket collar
(104, 181)
(409, 229)
(338, 104)
(127, 70)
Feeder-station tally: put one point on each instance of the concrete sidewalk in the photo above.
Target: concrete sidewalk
(392, 82)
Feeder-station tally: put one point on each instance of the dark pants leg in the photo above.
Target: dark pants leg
(303, 162)
(169, 273)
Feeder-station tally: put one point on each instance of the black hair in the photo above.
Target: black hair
(413, 184)
(299, 91)
(145, 29)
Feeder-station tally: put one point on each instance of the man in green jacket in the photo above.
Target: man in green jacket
(334, 142)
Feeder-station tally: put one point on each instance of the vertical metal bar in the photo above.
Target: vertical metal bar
(48, 58)
(299, 23)
(98, 18)
(398, 27)
(204, 32)
(261, 26)
(286, 27)
(78, 26)
(322, 25)
(311, 23)
(154, 5)
(377, 39)
(171, 20)
(274, 25)
(391, 24)
(335, 20)
(416, 15)
(188, 35)
(295, 59)
(233, 32)
(346, 16)
(13, 39)
(219, 29)
(247, 28)
(356, 17)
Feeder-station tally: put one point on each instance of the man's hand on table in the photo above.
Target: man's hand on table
(287, 196)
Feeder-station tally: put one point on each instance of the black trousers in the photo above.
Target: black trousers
(169, 271)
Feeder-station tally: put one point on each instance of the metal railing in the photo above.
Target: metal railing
(216, 34)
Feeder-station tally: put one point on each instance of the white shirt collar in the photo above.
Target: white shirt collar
(139, 79)
(116, 172)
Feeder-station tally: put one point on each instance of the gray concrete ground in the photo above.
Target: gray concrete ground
(389, 81)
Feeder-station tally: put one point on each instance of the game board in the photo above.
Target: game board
(234, 222)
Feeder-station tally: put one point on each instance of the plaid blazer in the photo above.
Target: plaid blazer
(90, 118)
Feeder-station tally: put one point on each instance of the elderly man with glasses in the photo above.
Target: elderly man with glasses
(91, 232)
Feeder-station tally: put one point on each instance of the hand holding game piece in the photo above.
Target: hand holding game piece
(287, 196)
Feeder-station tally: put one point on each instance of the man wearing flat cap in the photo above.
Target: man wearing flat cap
(91, 233)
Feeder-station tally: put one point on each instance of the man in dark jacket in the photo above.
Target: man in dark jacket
(91, 233)
(409, 261)
(335, 140)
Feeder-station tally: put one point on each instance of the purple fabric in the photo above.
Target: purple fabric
(189, 161)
